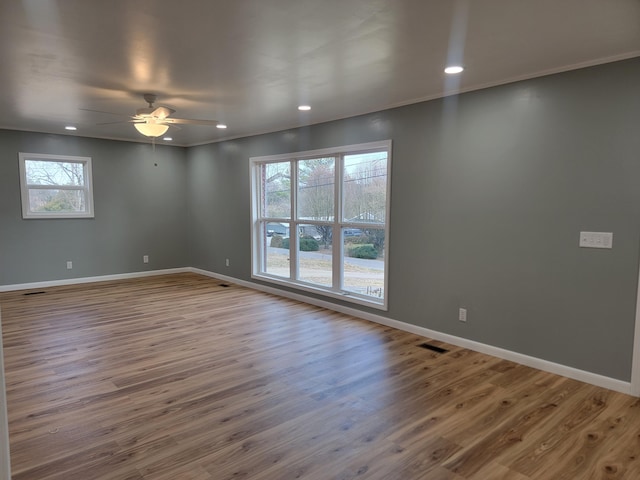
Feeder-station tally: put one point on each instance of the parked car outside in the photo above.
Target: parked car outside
(352, 232)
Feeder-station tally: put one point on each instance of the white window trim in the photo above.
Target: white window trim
(27, 214)
(256, 246)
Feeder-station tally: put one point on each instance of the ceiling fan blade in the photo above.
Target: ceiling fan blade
(101, 111)
(162, 112)
(190, 121)
(113, 123)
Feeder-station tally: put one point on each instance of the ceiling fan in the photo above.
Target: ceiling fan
(155, 121)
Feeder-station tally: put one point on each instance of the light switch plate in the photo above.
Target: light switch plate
(596, 239)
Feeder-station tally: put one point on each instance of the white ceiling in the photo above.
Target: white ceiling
(250, 63)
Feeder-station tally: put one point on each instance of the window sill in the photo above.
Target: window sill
(44, 216)
(340, 295)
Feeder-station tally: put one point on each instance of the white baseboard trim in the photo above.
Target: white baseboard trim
(101, 278)
(544, 365)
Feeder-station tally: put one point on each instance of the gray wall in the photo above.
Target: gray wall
(140, 209)
(489, 193)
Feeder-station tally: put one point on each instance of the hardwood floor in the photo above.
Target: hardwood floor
(176, 377)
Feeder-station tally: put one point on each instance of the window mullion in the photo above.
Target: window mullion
(38, 186)
(336, 239)
(293, 226)
(260, 226)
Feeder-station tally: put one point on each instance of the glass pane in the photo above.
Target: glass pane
(365, 187)
(41, 172)
(276, 190)
(363, 262)
(314, 254)
(275, 238)
(60, 201)
(316, 183)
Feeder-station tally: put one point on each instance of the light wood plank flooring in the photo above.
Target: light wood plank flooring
(177, 377)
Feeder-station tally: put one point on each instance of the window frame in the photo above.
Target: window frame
(25, 188)
(338, 224)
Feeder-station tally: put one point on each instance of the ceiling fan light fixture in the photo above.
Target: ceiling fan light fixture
(151, 129)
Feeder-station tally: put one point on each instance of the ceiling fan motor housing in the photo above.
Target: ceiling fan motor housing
(150, 98)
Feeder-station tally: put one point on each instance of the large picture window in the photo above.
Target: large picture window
(55, 186)
(319, 221)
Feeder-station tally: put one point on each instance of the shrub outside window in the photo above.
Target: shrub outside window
(319, 221)
(55, 186)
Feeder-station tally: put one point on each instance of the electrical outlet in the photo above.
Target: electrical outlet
(69, 265)
(145, 259)
(226, 262)
(462, 314)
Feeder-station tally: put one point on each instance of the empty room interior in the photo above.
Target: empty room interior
(363, 239)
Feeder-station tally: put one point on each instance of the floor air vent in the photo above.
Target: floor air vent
(433, 348)
(33, 293)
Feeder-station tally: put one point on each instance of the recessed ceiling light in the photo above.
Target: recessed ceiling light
(167, 139)
(71, 127)
(304, 108)
(453, 69)
(221, 126)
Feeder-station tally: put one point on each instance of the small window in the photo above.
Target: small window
(55, 186)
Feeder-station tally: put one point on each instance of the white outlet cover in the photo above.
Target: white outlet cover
(596, 239)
